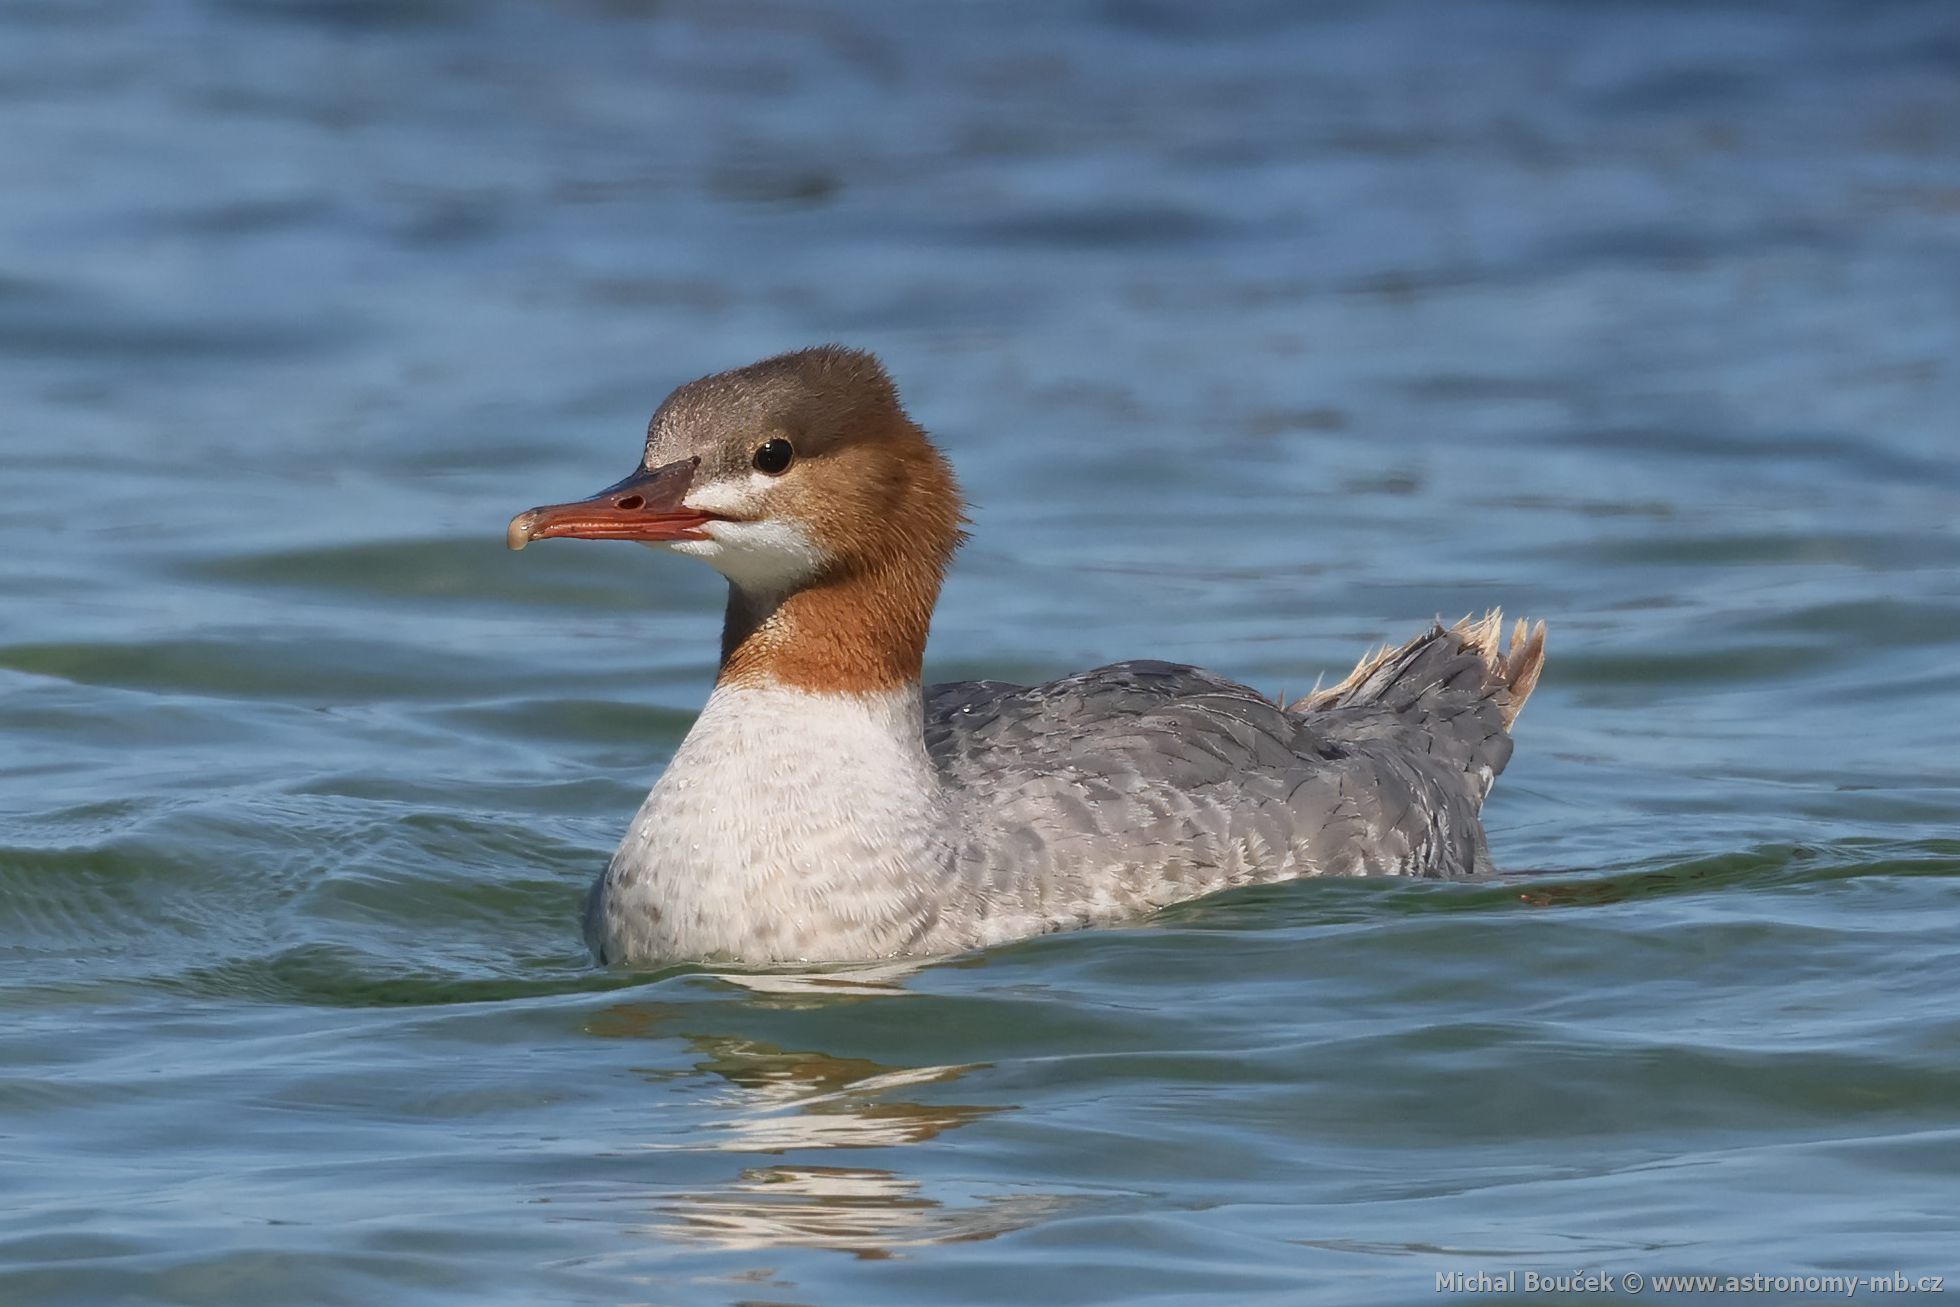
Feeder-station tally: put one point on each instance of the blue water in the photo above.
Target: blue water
(1259, 333)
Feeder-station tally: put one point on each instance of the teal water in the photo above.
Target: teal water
(1259, 333)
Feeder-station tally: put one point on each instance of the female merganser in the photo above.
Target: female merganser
(824, 807)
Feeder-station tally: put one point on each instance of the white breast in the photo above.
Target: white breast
(789, 826)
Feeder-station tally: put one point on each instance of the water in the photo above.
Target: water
(1258, 334)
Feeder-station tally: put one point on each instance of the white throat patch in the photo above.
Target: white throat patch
(764, 557)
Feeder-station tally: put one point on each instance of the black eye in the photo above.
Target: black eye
(774, 457)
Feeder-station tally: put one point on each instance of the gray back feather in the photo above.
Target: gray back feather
(1139, 784)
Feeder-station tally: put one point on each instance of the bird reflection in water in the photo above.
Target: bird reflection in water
(774, 1101)
(782, 1101)
(872, 1213)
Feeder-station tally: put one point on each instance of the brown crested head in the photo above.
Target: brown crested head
(803, 481)
(817, 445)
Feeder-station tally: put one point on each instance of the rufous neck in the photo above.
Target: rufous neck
(860, 631)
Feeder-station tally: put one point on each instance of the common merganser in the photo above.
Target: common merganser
(826, 808)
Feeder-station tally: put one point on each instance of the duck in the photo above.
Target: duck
(827, 806)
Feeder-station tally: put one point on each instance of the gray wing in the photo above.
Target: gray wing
(1143, 783)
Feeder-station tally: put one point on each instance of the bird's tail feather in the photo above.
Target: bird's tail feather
(1508, 674)
(1460, 686)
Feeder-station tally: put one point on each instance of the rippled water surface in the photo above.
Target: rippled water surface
(1259, 333)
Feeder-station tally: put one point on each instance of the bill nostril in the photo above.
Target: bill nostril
(630, 503)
